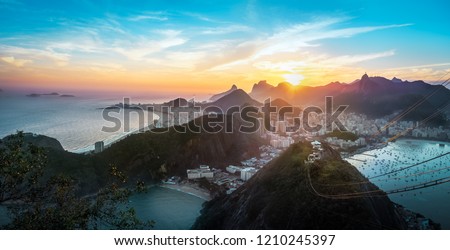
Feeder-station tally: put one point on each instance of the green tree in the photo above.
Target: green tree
(35, 203)
(21, 167)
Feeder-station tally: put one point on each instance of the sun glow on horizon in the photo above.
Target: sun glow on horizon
(203, 48)
(294, 79)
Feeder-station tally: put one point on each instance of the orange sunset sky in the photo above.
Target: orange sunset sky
(203, 48)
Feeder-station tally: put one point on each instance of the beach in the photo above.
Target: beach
(189, 189)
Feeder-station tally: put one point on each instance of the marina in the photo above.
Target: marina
(397, 169)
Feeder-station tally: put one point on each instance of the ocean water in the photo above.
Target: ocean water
(75, 121)
(432, 202)
(4, 219)
(170, 209)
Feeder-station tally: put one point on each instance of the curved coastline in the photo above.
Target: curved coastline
(187, 189)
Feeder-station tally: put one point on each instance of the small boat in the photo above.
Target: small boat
(441, 145)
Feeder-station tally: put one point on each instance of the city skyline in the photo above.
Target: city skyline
(203, 48)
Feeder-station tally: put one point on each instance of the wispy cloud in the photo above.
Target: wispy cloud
(138, 48)
(288, 66)
(31, 54)
(304, 35)
(226, 30)
(193, 44)
(434, 65)
(105, 67)
(349, 32)
(15, 61)
(353, 59)
(292, 39)
(201, 17)
(149, 15)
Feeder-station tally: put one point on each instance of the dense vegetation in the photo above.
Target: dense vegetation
(150, 156)
(37, 200)
(344, 135)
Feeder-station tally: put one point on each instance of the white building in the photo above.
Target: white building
(233, 169)
(201, 172)
(281, 142)
(247, 173)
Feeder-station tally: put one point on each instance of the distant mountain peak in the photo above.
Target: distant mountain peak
(284, 85)
(261, 88)
(220, 95)
(280, 102)
(178, 102)
(236, 98)
(366, 85)
(396, 80)
(365, 77)
(237, 93)
(262, 82)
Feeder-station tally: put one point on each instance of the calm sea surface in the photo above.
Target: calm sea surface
(76, 122)
(170, 209)
(433, 202)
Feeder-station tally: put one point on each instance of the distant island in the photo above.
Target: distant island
(49, 94)
(123, 106)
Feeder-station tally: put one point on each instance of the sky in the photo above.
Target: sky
(203, 47)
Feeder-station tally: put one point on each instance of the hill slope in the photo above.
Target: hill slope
(220, 95)
(280, 197)
(237, 98)
(152, 155)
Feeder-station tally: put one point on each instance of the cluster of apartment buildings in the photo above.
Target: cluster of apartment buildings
(362, 126)
(346, 144)
(235, 176)
(280, 141)
(244, 172)
(202, 172)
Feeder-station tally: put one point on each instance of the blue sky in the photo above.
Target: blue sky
(208, 45)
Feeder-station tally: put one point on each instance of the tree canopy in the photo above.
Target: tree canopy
(38, 202)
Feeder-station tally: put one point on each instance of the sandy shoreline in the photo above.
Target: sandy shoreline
(188, 189)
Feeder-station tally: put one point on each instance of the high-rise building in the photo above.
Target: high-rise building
(281, 127)
(261, 129)
(99, 146)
